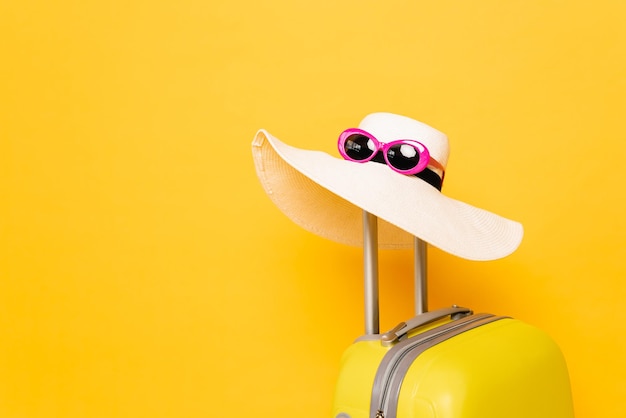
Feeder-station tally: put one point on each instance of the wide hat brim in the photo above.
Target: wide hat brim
(326, 196)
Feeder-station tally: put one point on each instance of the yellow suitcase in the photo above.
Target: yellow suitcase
(448, 363)
(478, 366)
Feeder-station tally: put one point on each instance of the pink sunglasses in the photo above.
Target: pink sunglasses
(405, 156)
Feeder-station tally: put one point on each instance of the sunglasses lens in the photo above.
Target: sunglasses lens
(359, 147)
(403, 156)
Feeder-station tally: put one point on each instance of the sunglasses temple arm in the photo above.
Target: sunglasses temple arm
(370, 270)
(420, 275)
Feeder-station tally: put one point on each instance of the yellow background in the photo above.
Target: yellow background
(144, 273)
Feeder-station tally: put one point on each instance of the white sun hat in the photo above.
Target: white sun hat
(327, 195)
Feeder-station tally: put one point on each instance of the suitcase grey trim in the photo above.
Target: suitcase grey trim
(396, 363)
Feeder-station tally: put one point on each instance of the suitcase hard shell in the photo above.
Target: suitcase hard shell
(448, 363)
(488, 367)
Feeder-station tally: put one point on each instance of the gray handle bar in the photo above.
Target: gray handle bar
(403, 328)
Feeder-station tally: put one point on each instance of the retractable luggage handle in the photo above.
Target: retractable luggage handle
(370, 269)
(370, 272)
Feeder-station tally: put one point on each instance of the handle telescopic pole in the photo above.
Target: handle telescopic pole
(370, 269)
(419, 259)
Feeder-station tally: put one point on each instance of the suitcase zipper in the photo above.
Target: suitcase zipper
(391, 370)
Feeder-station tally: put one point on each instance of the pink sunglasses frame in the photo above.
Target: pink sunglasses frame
(421, 148)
